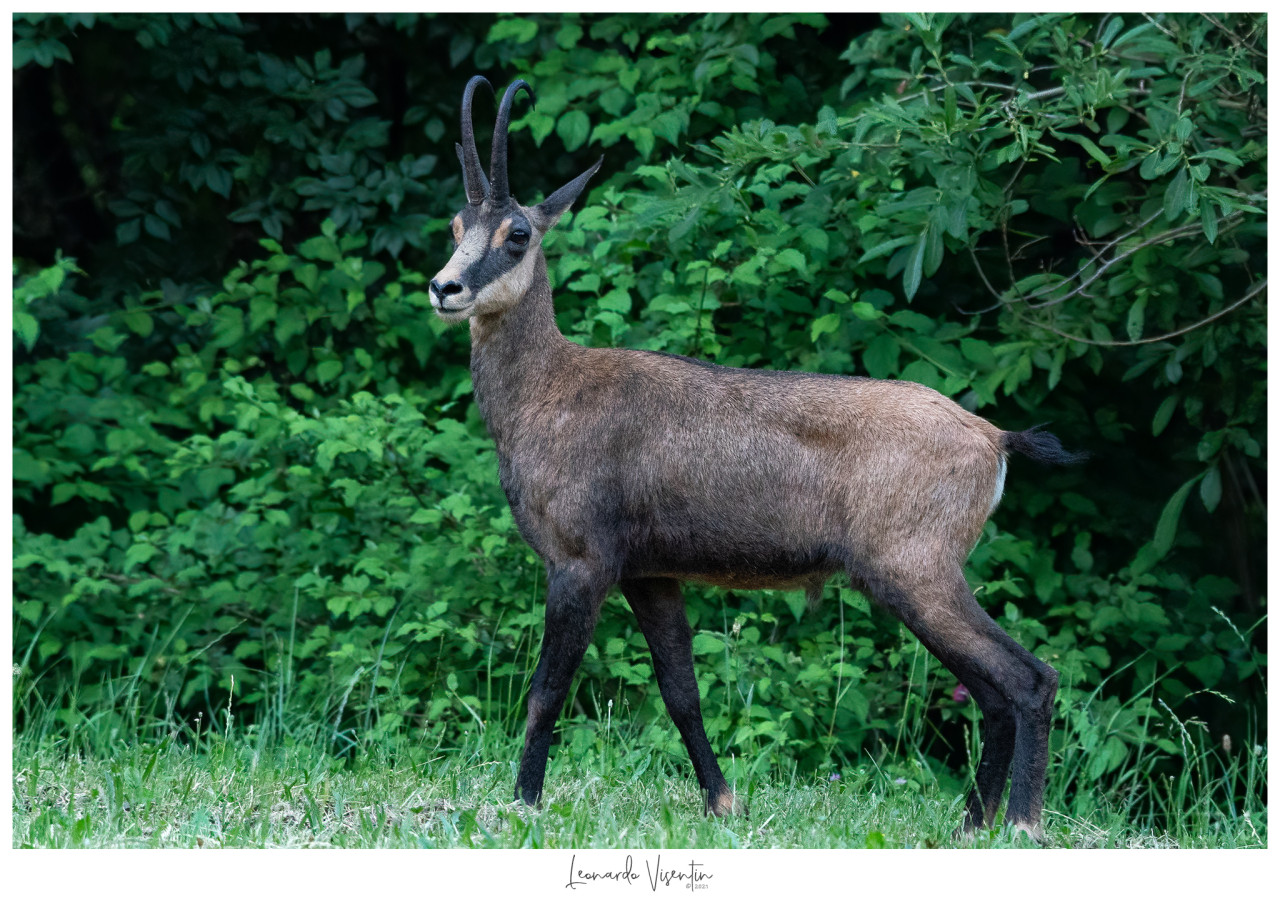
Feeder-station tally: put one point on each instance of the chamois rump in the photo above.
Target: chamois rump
(644, 469)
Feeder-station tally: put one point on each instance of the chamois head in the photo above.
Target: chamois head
(497, 241)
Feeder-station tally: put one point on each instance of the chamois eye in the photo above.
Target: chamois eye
(519, 237)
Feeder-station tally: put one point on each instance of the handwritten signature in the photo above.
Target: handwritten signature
(690, 877)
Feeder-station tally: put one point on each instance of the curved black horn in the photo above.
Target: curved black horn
(473, 179)
(498, 163)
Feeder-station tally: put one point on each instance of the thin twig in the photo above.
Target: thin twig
(1178, 333)
(1231, 35)
(1163, 236)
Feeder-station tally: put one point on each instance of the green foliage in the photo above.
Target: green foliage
(245, 448)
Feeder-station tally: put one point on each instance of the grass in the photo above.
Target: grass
(235, 790)
(113, 773)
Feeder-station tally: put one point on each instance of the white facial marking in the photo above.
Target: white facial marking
(507, 290)
(470, 249)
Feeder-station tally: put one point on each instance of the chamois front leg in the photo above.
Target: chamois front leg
(659, 607)
(574, 595)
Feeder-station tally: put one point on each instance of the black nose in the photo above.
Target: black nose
(447, 289)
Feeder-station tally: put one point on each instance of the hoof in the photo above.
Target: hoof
(726, 804)
(1035, 831)
(968, 834)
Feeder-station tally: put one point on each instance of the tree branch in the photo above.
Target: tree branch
(1178, 333)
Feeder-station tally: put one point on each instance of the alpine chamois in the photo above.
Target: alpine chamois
(644, 469)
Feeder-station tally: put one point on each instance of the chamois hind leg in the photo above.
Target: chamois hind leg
(998, 728)
(1014, 689)
(659, 607)
(574, 596)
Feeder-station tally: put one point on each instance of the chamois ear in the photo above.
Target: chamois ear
(548, 212)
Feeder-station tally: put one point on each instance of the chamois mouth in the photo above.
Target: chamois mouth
(454, 315)
(451, 313)
(461, 299)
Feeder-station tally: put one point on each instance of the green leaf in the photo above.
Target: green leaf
(290, 321)
(914, 271)
(540, 125)
(1163, 414)
(668, 125)
(707, 644)
(156, 226)
(573, 128)
(643, 139)
(228, 326)
(568, 36)
(26, 327)
(328, 370)
(922, 372)
(1208, 669)
(865, 311)
(128, 231)
(1167, 526)
(24, 52)
(1221, 154)
(793, 259)
(323, 248)
(79, 438)
(885, 248)
(138, 554)
(915, 321)
(1211, 488)
(218, 179)
(1089, 147)
(517, 29)
(1177, 195)
(881, 356)
(209, 480)
(1209, 221)
(139, 322)
(826, 324)
(1137, 316)
(1150, 167)
(616, 300)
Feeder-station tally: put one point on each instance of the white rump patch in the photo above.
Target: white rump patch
(999, 492)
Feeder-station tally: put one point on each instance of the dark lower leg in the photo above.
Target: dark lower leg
(998, 734)
(573, 603)
(1031, 752)
(659, 607)
(1011, 686)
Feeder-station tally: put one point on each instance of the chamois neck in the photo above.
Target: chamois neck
(515, 354)
(525, 326)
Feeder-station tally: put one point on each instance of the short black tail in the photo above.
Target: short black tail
(1041, 446)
